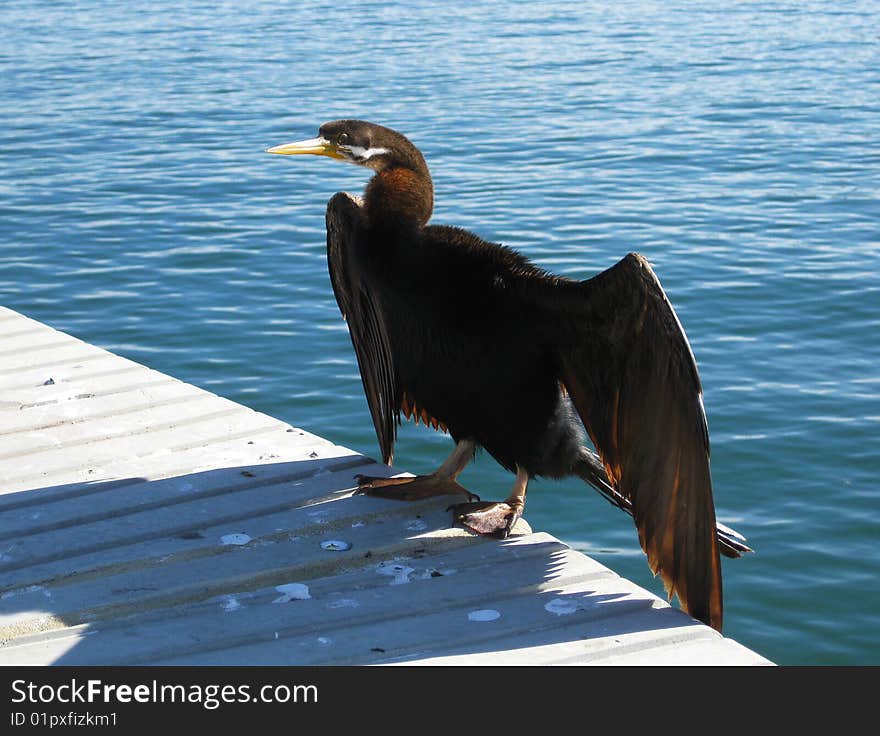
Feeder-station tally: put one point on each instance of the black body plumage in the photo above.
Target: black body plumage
(472, 337)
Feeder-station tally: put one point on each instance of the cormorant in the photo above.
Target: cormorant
(472, 338)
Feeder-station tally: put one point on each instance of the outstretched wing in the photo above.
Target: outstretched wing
(365, 324)
(628, 367)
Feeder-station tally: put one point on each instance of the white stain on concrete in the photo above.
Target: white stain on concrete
(238, 539)
(5, 556)
(561, 606)
(399, 573)
(292, 592)
(484, 614)
(19, 591)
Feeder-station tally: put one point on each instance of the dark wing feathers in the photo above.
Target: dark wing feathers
(365, 324)
(629, 369)
(626, 363)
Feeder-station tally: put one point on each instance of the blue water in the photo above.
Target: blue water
(735, 145)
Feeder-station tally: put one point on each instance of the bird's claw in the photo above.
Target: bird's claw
(472, 498)
(487, 518)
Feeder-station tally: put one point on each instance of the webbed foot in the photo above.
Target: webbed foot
(487, 518)
(412, 489)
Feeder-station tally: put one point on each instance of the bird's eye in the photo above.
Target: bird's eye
(342, 138)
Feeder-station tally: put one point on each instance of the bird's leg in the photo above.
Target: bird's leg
(442, 482)
(494, 518)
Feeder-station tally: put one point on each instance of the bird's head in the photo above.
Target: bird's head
(401, 192)
(359, 142)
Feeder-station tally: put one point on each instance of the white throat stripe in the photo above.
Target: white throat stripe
(365, 153)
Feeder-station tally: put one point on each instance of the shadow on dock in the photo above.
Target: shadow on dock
(278, 563)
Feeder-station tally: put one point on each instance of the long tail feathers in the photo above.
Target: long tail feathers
(730, 542)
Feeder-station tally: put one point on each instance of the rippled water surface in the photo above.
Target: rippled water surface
(735, 145)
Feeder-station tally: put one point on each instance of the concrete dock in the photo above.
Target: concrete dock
(144, 521)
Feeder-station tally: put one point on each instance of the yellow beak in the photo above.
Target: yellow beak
(316, 146)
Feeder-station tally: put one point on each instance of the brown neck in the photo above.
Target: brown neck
(399, 197)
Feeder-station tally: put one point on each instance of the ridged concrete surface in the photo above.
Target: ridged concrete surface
(146, 521)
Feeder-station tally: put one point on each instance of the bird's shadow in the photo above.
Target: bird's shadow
(280, 564)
